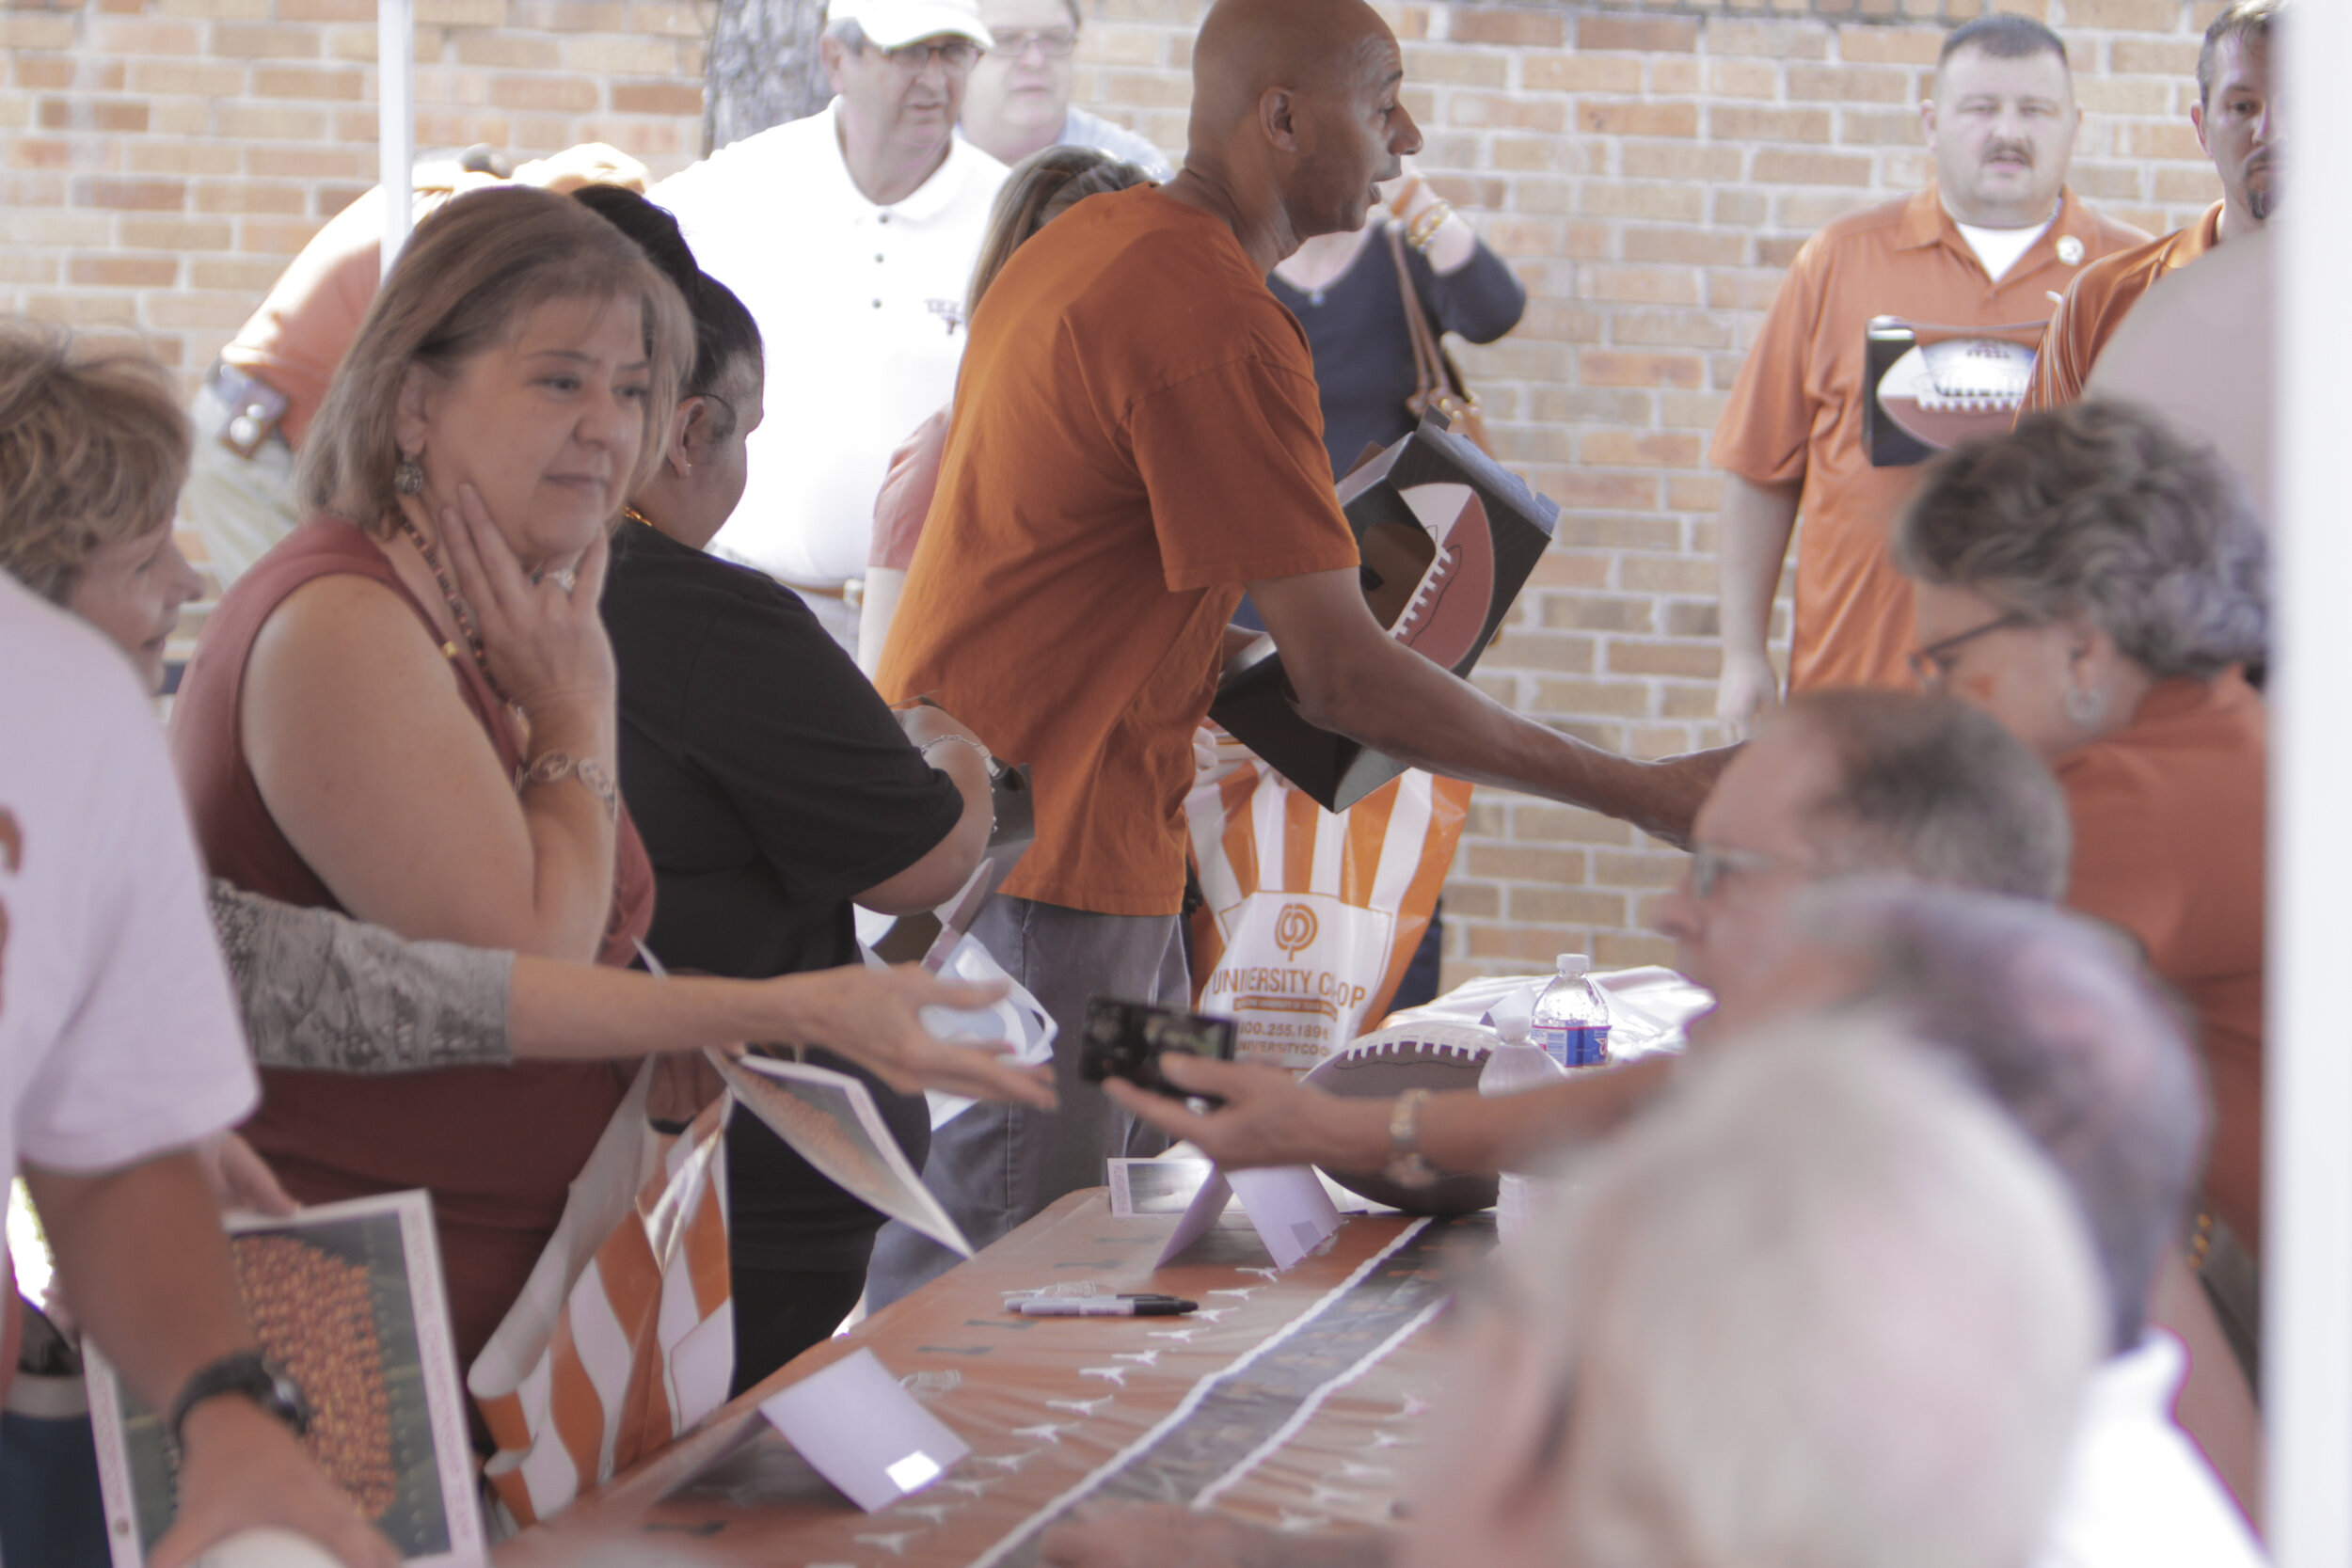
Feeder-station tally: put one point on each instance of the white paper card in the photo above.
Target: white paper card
(831, 1120)
(1286, 1205)
(862, 1432)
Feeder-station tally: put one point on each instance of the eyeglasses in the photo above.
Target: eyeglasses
(955, 56)
(1053, 42)
(1933, 664)
(1710, 864)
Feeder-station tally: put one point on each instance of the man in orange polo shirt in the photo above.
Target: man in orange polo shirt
(1985, 246)
(2237, 126)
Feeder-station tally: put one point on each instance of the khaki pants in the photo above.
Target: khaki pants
(239, 506)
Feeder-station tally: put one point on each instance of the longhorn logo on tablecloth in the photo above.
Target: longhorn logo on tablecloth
(1294, 928)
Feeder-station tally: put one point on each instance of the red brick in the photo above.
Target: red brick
(1742, 79)
(528, 51)
(1579, 74)
(1649, 35)
(115, 115)
(1774, 167)
(1505, 111)
(1623, 119)
(1700, 246)
(83, 154)
(564, 94)
(2138, 16)
(1642, 448)
(1650, 160)
(1596, 613)
(1636, 285)
(123, 272)
(1604, 368)
(249, 195)
(181, 234)
(2166, 140)
(1527, 30)
(1891, 45)
(1690, 660)
(658, 98)
(1673, 75)
(43, 70)
(296, 82)
(1774, 39)
(1566, 907)
(2153, 56)
(1617, 698)
(1848, 83)
(264, 41)
(1743, 123)
(139, 196)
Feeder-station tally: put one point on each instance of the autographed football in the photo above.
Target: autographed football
(1384, 1064)
(1975, 375)
(1447, 613)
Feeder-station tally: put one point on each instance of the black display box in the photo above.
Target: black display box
(1448, 537)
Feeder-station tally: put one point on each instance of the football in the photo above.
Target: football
(1447, 614)
(1384, 1064)
(1975, 375)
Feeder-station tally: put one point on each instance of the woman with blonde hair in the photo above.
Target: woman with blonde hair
(356, 733)
(93, 449)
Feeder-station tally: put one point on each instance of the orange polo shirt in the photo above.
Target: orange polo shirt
(2097, 303)
(1795, 415)
(1135, 434)
(2168, 815)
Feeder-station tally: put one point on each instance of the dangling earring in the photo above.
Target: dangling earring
(2085, 706)
(408, 476)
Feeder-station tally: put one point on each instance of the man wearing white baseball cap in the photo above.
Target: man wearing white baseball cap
(852, 235)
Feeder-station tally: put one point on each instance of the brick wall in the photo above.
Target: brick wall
(1648, 169)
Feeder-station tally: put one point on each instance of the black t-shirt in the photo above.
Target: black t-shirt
(771, 785)
(1363, 349)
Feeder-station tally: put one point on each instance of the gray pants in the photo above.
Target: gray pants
(995, 1166)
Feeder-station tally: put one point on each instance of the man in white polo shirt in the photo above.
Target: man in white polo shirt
(850, 234)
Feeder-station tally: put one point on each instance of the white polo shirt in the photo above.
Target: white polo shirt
(862, 307)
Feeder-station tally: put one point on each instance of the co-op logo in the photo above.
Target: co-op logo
(1294, 929)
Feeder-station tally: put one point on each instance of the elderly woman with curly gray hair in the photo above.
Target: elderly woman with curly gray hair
(2100, 584)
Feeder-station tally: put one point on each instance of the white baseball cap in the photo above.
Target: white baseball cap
(896, 24)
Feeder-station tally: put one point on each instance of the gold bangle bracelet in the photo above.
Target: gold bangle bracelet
(1425, 228)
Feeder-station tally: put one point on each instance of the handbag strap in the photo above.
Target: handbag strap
(1428, 369)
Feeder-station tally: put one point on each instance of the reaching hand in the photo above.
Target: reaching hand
(1748, 690)
(871, 1015)
(544, 639)
(243, 1470)
(241, 1178)
(1268, 1118)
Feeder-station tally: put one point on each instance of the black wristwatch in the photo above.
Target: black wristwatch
(248, 1372)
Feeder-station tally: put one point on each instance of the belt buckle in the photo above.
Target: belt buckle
(255, 408)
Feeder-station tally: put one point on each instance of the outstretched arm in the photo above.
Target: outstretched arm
(1270, 1118)
(1354, 679)
(322, 992)
(1752, 534)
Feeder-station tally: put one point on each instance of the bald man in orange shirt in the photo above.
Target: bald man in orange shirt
(2237, 124)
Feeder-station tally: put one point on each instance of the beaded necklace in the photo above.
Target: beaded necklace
(457, 609)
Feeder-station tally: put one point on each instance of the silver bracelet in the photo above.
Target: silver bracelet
(550, 766)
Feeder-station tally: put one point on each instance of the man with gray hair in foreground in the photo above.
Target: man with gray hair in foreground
(1824, 1306)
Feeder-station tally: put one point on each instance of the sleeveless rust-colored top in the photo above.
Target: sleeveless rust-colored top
(496, 1145)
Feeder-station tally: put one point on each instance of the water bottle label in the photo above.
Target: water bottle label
(1572, 1044)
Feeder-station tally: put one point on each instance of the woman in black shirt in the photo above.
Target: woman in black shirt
(773, 788)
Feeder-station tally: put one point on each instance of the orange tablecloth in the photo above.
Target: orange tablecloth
(1291, 1399)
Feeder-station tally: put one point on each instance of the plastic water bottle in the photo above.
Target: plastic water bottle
(1515, 1066)
(1570, 1018)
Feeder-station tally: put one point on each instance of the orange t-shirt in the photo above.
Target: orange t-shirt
(1795, 414)
(2097, 303)
(312, 312)
(2169, 821)
(1136, 436)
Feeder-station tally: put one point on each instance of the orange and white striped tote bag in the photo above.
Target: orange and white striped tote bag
(1311, 917)
(625, 1335)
